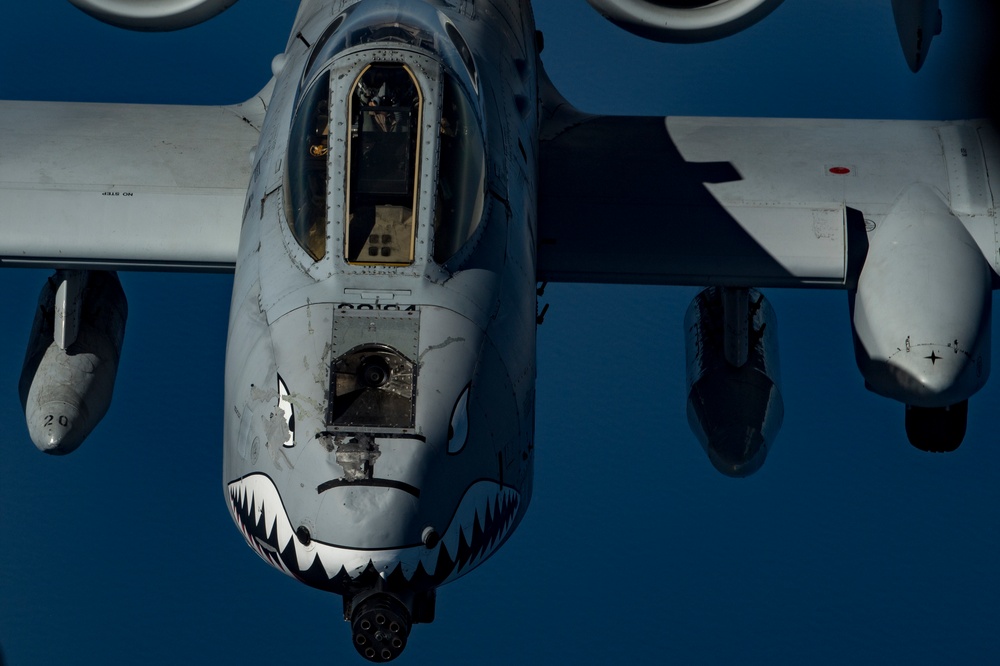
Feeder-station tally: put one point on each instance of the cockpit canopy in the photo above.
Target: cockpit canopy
(384, 23)
(354, 189)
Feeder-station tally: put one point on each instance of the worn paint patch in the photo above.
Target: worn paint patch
(276, 430)
(826, 225)
(356, 455)
(258, 394)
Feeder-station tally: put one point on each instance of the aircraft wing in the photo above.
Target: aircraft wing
(112, 186)
(743, 201)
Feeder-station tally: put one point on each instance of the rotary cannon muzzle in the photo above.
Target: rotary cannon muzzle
(380, 626)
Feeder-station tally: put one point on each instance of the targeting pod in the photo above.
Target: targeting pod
(917, 22)
(72, 357)
(734, 400)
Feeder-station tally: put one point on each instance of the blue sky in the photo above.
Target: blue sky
(848, 545)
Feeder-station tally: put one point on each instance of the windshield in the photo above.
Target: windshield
(384, 153)
(461, 176)
(308, 172)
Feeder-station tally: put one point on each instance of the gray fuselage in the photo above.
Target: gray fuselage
(380, 364)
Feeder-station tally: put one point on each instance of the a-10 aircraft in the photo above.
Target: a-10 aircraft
(413, 177)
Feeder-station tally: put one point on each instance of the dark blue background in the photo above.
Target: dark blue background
(848, 546)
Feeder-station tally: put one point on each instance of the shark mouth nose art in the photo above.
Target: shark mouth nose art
(478, 527)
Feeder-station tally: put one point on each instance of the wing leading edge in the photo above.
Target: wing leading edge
(742, 201)
(118, 186)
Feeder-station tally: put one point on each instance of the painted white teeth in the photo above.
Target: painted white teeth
(331, 564)
(284, 531)
(485, 508)
(270, 515)
(450, 540)
(257, 503)
(305, 555)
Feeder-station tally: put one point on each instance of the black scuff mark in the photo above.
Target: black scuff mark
(369, 483)
(326, 434)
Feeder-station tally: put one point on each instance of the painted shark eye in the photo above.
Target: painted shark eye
(458, 431)
(288, 410)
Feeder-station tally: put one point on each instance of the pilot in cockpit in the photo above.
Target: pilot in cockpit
(391, 96)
